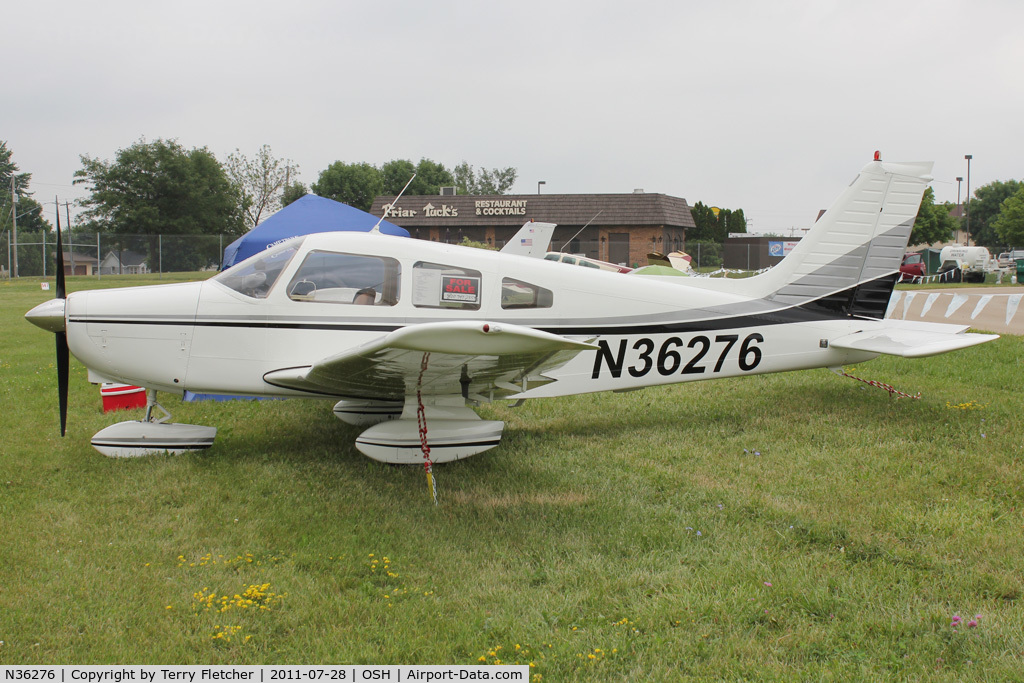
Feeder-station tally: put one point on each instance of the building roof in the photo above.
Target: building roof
(79, 258)
(126, 256)
(634, 209)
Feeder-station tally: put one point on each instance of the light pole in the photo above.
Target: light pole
(967, 203)
(539, 183)
(959, 179)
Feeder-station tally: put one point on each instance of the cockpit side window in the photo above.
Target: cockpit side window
(435, 285)
(338, 278)
(255, 276)
(519, 294)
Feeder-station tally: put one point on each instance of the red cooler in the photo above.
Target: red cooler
(122, 397)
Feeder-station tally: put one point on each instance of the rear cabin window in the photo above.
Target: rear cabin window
(336, 278)
(435, 285)
(519, 294)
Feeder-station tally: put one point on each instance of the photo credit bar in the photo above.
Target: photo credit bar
(393, 673)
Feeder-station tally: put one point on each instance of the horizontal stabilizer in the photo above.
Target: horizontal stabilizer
(910, 342)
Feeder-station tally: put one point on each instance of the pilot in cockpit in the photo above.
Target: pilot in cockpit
(365, 296)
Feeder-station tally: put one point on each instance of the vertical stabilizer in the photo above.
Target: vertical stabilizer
(849, 261)
(531, 240)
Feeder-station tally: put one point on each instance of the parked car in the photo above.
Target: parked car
(1008, 259)
(912, 266)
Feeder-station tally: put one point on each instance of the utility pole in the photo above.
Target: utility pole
(14, 226)
(71, 246)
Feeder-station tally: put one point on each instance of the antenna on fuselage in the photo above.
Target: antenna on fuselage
(387, 207)
(581, 230)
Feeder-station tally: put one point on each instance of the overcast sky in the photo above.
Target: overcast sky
(771, 107)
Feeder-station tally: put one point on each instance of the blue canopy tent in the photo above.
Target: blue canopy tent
(302, 217)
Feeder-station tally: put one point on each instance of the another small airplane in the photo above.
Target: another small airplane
(531, 240)
(405, 336)
(586, 262)
(678, 260)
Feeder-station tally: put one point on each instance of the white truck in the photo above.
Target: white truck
(973, 262)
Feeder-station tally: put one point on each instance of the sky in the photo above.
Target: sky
(772, 107)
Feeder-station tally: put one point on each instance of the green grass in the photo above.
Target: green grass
(609, 537)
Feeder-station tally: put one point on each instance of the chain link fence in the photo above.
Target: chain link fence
(99, 254)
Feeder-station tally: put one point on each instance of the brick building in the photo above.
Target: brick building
(622, 228)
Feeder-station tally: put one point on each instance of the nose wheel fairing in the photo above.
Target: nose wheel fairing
(152, 435)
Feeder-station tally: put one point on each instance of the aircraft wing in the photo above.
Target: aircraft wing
(911, 339)
(464, 357)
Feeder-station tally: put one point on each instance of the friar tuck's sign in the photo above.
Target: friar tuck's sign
(460, 288)
(428, 211)
(483, 207)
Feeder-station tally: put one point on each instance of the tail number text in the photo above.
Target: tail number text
(695, 357)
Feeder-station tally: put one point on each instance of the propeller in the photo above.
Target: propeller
(62, 339)
(50, 316)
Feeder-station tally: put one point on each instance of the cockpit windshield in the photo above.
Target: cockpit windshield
(256, 275)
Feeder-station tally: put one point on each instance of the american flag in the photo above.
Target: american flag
(526, 242)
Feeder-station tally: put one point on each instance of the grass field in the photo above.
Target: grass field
(786, 527)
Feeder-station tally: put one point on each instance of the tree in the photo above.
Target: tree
(292, 192)
(933, 223)
(395, 174)
(33, 230)
(712, 226)
(159, 188)
(985, 207)
(353, 184)
(32, 225)
(260, 181)
(434, 176)
(735, 221)
(9, 169)
(1009, 224)
(430, 177)
(494, 181)
(706, 224)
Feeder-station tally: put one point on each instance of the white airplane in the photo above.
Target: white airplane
(405, 336)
